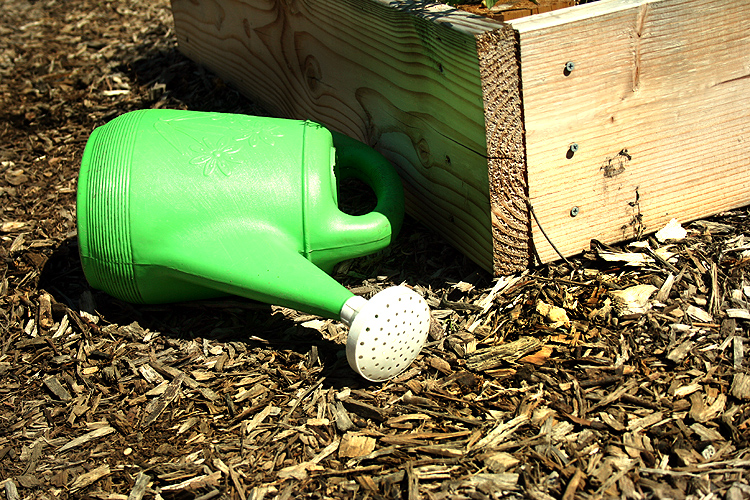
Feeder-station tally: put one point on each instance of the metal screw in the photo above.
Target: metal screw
(574, 211)
(570, 66)
(574, 147)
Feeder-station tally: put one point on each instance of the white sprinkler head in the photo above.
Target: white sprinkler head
(386, 332)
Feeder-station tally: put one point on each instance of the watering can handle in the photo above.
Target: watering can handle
(355, 159)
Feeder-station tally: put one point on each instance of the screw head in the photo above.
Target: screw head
(574, 211)
(570, 66)
(574, 147)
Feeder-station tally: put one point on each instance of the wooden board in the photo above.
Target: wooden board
(506, 162)
(668, 81)
(398, 76)
(479, 116)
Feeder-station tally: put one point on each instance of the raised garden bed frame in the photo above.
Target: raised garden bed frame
(600, 121)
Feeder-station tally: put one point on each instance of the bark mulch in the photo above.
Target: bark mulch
(620, 373)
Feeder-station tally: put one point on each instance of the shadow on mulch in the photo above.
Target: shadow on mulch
(170, 75)
(226, 319)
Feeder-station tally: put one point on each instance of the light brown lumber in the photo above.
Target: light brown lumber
(501, 88)
(401, 76)
(479, 117)
(668, 80)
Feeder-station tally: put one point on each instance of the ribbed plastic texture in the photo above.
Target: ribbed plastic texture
(107, 228)
(387, 333)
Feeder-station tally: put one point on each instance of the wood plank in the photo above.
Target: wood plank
(501, 88)
(401, 76)
(666, 80)
(479, 118)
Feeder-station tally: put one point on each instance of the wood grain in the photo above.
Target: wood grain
(480, 117)
(401, 76)
(666, 80)
(501, 87)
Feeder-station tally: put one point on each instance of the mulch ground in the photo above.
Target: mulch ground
(620, 373)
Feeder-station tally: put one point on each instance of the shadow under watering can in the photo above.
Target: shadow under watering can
(183, 205)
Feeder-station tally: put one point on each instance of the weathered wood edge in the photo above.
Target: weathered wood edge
(573, 14)
(500, 74)
(456, 19)
(500, 70)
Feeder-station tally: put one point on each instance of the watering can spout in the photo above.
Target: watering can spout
(179, 205)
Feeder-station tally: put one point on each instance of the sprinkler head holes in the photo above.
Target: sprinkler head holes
(386, 332)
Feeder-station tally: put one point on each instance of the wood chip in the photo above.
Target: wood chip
(740, 388)
(492, 482)
(501, 432)
(573, 485)
(678, 354)
(341, 417)
(139, 489)
(238, 486)
(194, 483)
(700, 412)
(356, 445)
(699, 314)
(12, 226)
(643, 422)
(86, 438)
(440, 365)
(11, 492)
(412, 482)
(705, 433)
(544, 373)
(500, 461)
(300, 471)
(665, 289)
(57, 388)
(633, 300)
(150, 375)
(493, 357)
(90, 477)
(160, 404)
(738, 313)
(365, 410)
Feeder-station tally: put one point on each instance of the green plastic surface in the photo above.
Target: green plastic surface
(182, 205)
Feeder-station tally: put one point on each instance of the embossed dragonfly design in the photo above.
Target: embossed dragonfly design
(217, 146)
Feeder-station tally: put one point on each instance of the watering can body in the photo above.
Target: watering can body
(180, 205)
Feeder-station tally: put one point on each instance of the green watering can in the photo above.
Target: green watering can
(182, 205)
